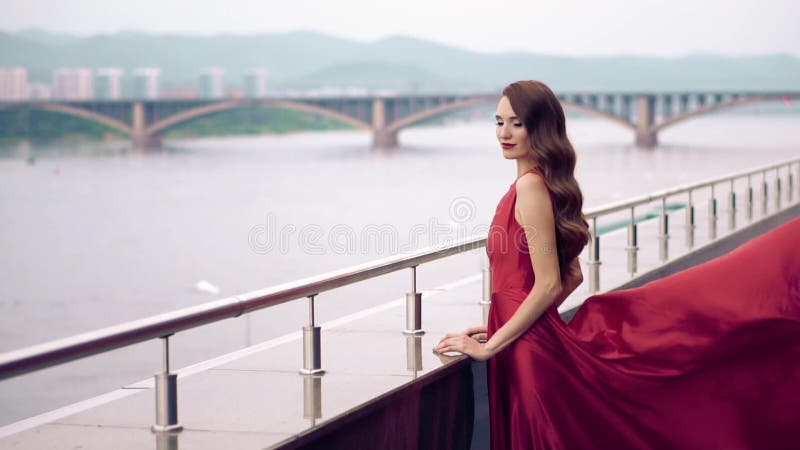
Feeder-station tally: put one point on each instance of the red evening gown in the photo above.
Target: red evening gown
(707, 358)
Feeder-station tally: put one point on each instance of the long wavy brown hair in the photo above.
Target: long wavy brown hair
(541, 113)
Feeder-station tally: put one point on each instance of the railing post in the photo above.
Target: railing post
(594, 259)
(712, 215)
(749, 200)
(166, 387)
(312, 344)
(690, 222)
(487, 286)
(731, 208)
(798, 179)
(764, 193)
(486, 299)
(414, 307)
(790, 185)
(632, 245)
(663, 232)
(777, 190)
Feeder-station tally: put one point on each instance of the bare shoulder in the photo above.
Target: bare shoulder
(533, 200)
(532, 185)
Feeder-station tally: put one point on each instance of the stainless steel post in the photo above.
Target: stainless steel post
(312, 344)
(663, 232)
(594, 259)
(798, 179)
(485, 314)
(166, 387)
(731, 208)
(414, 307)
(749, 200)
(487, 286)
(632, 245)
(712, 215)
(690, 222)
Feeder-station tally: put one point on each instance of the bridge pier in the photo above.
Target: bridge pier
(646, 135)
(139, 136)
(382, 137)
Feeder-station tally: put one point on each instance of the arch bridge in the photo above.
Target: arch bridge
(644, 113)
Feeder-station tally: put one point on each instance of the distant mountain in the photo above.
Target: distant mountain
(305, 59)
(379, 76)
(47, 38)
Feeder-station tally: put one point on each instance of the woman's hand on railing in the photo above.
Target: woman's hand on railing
(471, 342)
(462, 343)
(478, 333)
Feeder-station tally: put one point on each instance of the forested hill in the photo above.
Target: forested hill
(311, 60)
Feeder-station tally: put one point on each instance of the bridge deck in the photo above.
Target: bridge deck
(646, 113)
(255, 398)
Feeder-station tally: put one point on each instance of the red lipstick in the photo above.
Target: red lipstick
(508, 146)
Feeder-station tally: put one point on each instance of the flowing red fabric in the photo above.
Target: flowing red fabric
(707, 358)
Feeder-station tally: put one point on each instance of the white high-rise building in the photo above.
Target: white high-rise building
(13, 83)
(107, 84)
(255, 83)
(145, 83)
(211, 83)
(73, 84)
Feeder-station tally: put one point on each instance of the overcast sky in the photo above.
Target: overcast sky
(576, 27)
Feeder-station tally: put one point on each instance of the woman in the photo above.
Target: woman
(708, 358)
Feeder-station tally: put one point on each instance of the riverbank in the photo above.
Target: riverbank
(54, 127)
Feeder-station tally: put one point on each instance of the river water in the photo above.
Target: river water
(94, 235)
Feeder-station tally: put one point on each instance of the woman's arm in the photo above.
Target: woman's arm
(574, 278)
(536, 219)
(538, 223)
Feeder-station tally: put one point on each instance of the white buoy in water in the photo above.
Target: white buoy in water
(205, 286)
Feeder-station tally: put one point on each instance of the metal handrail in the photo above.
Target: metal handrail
(60, 351)
(91, 343)
(658, 195)
(162, 326)
(632, 248)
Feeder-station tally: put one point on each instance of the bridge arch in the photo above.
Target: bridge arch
(411, 119)
(162, 126)
(72, 111)
(461, 104)
(716, 107)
